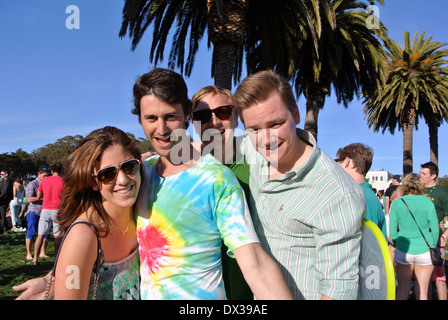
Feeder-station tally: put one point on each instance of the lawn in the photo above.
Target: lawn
(14, 268)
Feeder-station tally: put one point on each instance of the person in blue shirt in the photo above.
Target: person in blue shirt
(356, 160)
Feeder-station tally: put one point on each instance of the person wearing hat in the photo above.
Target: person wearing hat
(389, 194)
(33, 213)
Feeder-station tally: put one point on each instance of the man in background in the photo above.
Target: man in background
(6, 195)
(356, 160)
(429, 172)
(33, 212)
(390, 194)
(49, 191)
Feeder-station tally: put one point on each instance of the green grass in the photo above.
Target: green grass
(14, 268)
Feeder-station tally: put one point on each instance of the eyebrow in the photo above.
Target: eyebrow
(149, 115)
(267, 124)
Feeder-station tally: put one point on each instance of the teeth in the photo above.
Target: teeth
(124, 191)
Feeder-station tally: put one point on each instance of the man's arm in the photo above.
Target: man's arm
(31, 195)
(262, 274)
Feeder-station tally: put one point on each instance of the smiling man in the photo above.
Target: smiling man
(214, 119)
(186, 209)
(306, 209)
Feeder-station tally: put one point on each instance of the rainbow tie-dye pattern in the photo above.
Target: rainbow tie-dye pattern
(181, 222)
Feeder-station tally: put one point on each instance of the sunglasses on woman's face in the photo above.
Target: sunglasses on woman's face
(222, 113)
(108, 174)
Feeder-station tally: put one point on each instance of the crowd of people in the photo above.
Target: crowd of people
(28, 209)
(267, 215)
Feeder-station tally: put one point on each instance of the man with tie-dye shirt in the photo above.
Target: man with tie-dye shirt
(188, 204)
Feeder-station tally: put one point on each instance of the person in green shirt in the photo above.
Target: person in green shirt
(412, 253)
(356, 160)
(429, 172)
(214, 119)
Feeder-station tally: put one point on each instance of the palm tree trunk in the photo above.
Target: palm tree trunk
(433, 143)
(315, 100)
(223, 61)
(226, 23)
(408, 135)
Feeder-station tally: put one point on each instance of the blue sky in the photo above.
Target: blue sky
(56, 81)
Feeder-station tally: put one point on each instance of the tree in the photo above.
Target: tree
(56, 152)
(226, 23)
(143, 143)
(349, 59)
(443, 182)
(20, 164)
(416, 86)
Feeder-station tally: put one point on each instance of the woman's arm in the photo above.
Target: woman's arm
(393, 222)
(75, 264)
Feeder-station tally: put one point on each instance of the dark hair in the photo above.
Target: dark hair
(361, 155)
(167, 86)
(433, 168)
(78, 196)
(57, 167)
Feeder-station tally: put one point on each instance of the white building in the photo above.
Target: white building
(380, 179)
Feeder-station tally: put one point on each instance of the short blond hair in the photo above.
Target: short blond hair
(201, 93)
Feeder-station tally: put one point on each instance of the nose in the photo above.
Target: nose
(215, 120)
(122, 178)
(162, 127)
(268, 138)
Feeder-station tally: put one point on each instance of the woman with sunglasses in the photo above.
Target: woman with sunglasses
(101, 186)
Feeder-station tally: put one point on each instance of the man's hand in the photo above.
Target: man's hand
(33, 289)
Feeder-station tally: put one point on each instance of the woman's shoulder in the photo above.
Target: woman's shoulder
(82, 231)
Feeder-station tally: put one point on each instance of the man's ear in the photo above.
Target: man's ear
(297, 117)
(346, 162)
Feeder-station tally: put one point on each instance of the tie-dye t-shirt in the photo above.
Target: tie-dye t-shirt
(181, 222)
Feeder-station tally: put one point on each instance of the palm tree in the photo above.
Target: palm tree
(417, 86)
(349, 59)
(226, 22)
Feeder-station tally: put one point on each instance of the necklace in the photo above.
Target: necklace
(125, 230)
(429, 193)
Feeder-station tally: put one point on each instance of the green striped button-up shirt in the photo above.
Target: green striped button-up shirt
(309, 221)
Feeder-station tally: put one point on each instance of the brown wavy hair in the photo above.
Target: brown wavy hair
(412, 184)
(78, 195)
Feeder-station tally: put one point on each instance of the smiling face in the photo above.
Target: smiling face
(215, 127)
(123, 190)
(159, 121)
(272, 130)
